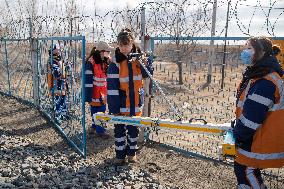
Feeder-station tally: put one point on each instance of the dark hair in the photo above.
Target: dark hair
(276, 50)
(96, 54)
(92, 53)
(262, 47)
(125, 37)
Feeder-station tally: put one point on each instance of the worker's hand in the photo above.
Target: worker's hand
(233, 123)
(145, 61)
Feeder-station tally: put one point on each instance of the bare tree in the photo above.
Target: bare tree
(126, 18)
(178, 19)
(71, 11)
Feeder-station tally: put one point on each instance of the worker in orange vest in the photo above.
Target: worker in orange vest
(57, 82)
(96, 84)
(259, 127)
(125, 94)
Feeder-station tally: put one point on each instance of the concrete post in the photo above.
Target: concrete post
(34, 59)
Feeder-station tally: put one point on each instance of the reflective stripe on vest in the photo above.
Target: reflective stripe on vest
(88, 72)
(135, 78)
(100, 79)
(260, 99)
(261, 156)
(114, 76)
(99, 84)
(240, 104)
(96, 99)
(113, 92)
(260, 160)
(124, 79)
(249, 123)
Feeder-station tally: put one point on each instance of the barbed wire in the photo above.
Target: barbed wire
(168, 18)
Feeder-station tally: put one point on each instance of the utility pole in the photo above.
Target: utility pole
(225, 45)
(212, 49)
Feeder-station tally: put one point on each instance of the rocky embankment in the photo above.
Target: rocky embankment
(34, 155)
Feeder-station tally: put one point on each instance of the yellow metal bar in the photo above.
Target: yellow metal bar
(191, 128)
(167, 124)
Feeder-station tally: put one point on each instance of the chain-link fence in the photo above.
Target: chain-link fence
(182, 70)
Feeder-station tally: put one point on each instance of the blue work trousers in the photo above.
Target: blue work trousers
(126, 137)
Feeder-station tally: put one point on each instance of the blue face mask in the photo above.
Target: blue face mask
(246, 57)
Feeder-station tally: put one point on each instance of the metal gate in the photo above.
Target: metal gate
(26, 73)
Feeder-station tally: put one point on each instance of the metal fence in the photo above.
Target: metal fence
(24, 74)
(195, 99)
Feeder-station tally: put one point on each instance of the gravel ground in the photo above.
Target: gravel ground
(33, 155)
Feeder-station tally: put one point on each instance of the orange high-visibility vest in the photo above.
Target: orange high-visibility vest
(99, 85)
(124, 85)
(267, 150)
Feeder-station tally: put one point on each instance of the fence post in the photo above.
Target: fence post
(83, 95)
(8, 71)
(212, 50)
(225, 46)
(34, 56)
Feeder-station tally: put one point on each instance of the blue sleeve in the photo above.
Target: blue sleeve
(259, 99)
(149, 67)
(88, 82)
(113, 98)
